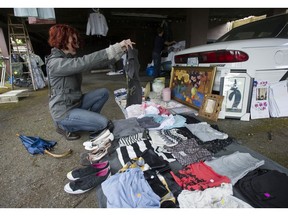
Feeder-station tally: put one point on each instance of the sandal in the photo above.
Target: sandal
(96, 155)
(100, 143)
(103, 135)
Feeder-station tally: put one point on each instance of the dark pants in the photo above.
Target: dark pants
(157, 64)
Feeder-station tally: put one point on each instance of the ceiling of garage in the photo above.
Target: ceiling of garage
(120, 20)
(77, 17)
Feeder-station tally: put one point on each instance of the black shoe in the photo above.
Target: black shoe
(88, 170)
(87, 183)
(68, 135)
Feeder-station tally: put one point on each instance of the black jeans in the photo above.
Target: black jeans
(157, 63)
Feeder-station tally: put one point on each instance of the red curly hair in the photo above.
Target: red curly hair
(59, 36)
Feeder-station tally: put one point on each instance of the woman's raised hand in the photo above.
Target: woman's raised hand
(125, 44)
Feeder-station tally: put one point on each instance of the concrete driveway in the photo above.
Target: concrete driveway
(29, 181)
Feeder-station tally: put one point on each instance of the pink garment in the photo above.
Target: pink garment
(162, 110)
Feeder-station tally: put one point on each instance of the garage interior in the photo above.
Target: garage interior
(189, 24)
(37, 181)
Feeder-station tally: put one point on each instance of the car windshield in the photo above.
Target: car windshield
(266, 28)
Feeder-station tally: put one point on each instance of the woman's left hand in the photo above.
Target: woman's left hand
(125, 44)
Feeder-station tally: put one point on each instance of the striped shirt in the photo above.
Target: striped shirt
(135, 150)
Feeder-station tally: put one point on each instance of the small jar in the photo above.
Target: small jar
(158, 86)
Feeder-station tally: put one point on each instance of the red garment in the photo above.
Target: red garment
(198, 176)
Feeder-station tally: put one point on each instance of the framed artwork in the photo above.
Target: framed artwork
(237, 92)
(189, 85)
(211, 106)
(259, 102)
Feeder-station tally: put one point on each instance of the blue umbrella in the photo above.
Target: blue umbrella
(37, 145)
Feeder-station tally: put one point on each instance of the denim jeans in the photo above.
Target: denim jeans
(87, 117)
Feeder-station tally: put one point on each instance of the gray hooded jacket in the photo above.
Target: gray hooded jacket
(65, 76)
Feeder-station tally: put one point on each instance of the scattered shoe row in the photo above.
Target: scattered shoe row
(94, 172)
(87, 178)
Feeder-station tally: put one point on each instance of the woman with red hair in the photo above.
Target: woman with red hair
(70, 109)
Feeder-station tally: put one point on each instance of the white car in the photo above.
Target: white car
(260, 48)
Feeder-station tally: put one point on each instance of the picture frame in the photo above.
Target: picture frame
(236, 87)
(259, 102)
(211, 106)
(189, 85)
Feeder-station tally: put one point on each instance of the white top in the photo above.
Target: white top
(235, 166)
(41, 13)
(96, 25)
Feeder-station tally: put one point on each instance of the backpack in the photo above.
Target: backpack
(264, 188)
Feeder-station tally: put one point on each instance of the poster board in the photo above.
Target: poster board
(260, 104)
